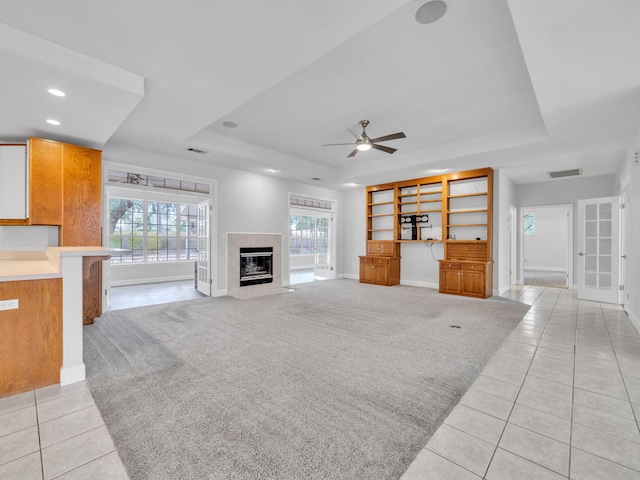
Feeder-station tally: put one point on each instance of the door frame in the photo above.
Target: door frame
(570, 240)
(333, 215)
(513, 245)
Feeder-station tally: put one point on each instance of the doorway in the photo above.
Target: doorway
(310, 244)
(547, 237)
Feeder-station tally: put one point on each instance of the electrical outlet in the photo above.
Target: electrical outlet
(9, 304)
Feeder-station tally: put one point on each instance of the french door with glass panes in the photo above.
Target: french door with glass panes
(203, 264)
(322, 258)
(599, 251)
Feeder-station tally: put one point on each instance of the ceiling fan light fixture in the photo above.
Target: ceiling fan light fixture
(363, 147)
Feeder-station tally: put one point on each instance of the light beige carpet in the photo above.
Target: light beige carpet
(336, 380)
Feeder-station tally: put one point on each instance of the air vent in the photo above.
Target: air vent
(566, 173)
(315, 178)
(195, 150)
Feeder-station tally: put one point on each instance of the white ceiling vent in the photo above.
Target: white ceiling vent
(565, 173)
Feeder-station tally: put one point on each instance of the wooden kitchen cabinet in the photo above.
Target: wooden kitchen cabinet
(46, 159)
(31, 335)
(380, 270)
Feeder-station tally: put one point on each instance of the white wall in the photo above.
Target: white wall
(354, 231)
(243, 203)
(629, 174)
(134, 274)
(566, 191)
(28, 238)
(504, 195)
(547, 249)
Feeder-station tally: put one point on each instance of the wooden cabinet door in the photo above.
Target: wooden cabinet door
(381, 274)
(449, 281)
(45, 181)
(366, 270)
(473, 283)
(82, 180)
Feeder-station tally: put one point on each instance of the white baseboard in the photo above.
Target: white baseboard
(348, 275)
(545, 269)
(219, 293)
(301, 267)
(140, 281)
(412, 283)
(73, 374)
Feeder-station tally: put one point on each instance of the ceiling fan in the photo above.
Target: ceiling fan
(363, 142)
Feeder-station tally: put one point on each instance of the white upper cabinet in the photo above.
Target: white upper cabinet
(13, 182)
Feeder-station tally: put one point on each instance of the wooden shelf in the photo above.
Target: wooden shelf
(431, 201)
(381, 230)
(472, 210)
(419, 241)
(381, 215)
(433, 192)
(431, 211)
(466, 225)
(380, 203)
(475, 194)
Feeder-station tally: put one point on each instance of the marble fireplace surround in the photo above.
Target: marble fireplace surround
(235, 241)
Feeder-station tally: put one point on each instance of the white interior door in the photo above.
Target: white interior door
(203, 268)
(599, 254)
(322, 258)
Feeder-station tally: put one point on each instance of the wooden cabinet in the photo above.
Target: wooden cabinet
(81, 206)
(387, 248)
(472, 279)
(31, 335)
(65, 183)
(380, 270)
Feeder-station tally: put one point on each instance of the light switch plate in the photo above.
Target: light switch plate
(9, 304)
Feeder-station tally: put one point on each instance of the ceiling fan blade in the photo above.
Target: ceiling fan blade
(353, 154)
(393, 136)
(383, 148)
(334, 144)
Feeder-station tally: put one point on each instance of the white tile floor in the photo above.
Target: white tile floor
(56, 432)
(559, 400)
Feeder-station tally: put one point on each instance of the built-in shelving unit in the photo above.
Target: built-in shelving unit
(455, 209)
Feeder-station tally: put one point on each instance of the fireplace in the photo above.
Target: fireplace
(256, 265)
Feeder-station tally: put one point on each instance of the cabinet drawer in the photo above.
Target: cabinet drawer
(472, 266)
(381, 261)
(367, 260)
(450, 265)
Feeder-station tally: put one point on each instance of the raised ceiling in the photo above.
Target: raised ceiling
(528, 87)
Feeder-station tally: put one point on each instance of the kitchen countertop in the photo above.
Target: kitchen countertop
(16, 265)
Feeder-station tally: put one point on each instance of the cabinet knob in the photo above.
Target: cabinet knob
(472, 266)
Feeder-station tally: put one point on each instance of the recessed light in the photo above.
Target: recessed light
(352, 184)
(230, 124)
(51, 121)
(431, 12)
(56, 92)
(271, 170)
